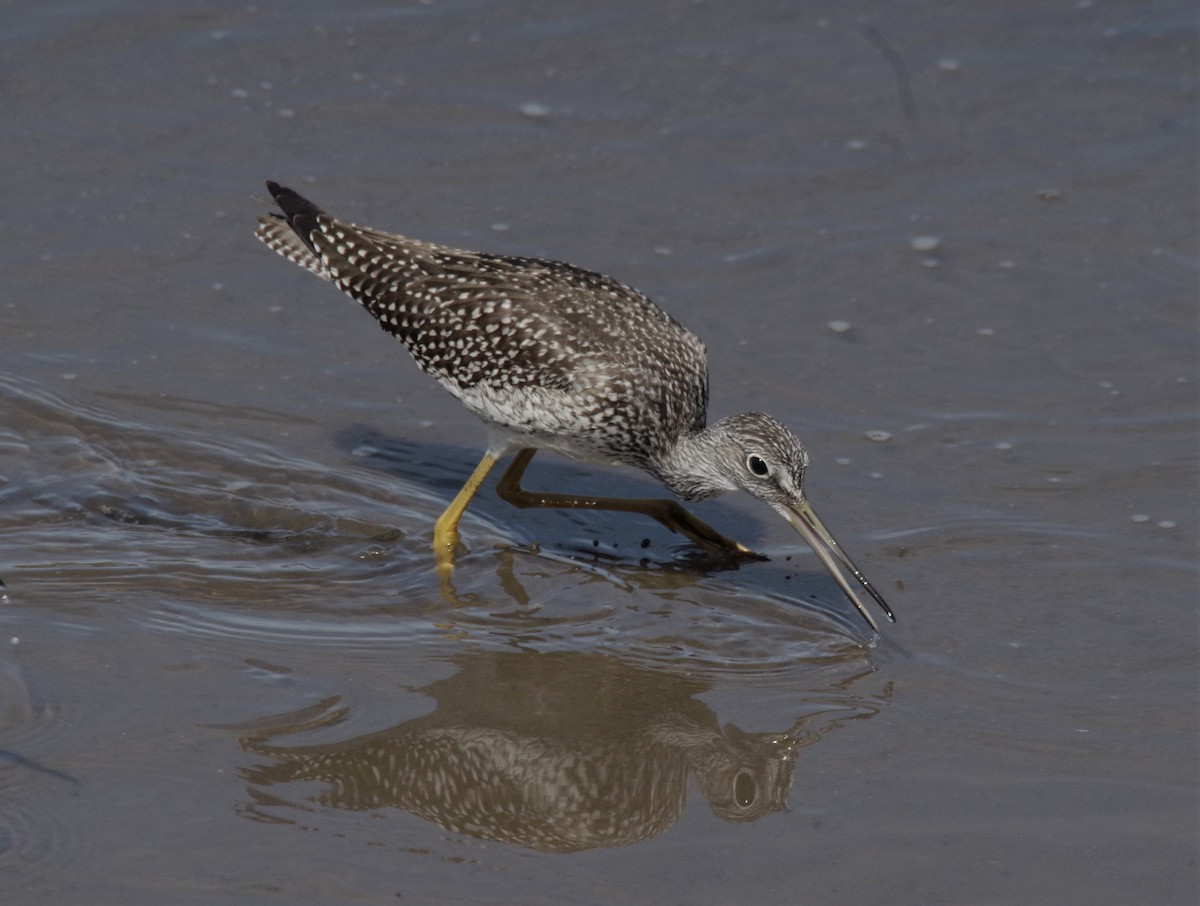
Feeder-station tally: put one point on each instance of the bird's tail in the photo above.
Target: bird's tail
(289, 233)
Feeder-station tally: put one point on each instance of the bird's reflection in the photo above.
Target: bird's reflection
(556, 752)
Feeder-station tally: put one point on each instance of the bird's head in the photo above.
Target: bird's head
(755, 453)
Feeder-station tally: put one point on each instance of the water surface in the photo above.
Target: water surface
(954, 248)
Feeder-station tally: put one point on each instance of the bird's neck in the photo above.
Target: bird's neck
(694, 467)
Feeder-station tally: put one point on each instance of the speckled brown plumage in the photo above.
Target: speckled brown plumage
(552, 356)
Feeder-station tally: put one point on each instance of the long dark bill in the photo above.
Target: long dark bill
(825, 546)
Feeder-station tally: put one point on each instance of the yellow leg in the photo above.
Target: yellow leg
(445, 530)
(667, 512)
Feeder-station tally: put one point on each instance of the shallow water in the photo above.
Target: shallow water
(954, 248)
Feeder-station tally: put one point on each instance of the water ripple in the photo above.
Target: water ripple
(227, 538)
(37, 830)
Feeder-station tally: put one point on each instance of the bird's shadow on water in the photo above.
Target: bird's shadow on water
(615, 537)
(625, 548)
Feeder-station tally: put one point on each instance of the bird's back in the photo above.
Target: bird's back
(550, 354)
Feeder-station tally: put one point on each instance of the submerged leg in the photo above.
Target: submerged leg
(445, 530)
(668, 512)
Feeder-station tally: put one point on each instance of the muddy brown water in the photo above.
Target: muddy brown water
(952, 245)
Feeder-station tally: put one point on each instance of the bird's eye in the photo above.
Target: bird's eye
(745, 789)
(757, 465)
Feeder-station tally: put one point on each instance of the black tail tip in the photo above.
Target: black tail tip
(292, 203)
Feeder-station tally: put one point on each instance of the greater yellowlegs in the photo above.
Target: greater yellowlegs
(554, 357)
